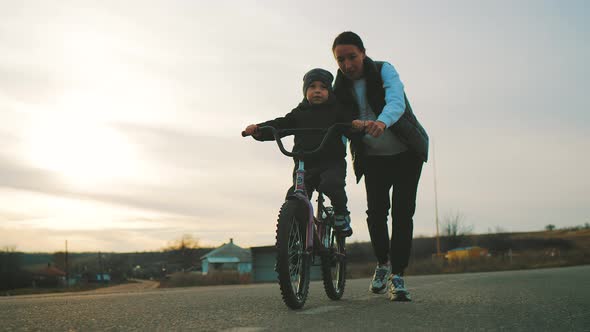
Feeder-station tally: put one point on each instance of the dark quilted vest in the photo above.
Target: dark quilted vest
(407, 128)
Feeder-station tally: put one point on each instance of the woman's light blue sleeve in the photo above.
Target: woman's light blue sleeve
(395, 104)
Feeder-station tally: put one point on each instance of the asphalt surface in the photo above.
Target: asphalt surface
(531, 300)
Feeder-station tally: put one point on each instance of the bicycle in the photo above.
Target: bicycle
(302, 237)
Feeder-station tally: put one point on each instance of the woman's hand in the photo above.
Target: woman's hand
(358, 125)
(374, 128)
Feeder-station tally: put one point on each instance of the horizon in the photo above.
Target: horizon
(120, 123)
(368, 241)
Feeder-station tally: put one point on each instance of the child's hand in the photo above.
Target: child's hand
(251, 130)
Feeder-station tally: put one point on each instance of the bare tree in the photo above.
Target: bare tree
(59, 260)
(497, 230)
(184, 251)
(11, 274)
(186, 241)
(454, 229)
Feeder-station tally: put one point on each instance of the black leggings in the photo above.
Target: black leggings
(382, 173)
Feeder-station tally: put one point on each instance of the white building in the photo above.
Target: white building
(228, 257)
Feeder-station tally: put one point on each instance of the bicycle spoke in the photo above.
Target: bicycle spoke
(333, 262)
(295, 251)
(336, 264)
(292, 262)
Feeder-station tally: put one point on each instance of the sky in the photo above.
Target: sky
(120, 121)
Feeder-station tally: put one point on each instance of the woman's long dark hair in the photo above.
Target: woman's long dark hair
(348, 38)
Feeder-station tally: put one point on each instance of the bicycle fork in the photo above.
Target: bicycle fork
(301, 194)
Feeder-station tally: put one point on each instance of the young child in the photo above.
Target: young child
(324, 171)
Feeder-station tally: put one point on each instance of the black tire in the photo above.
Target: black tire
(334, 264)
(293, 264)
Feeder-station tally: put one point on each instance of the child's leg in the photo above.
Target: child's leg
(312, 180)
(332, 183)
(333, 180)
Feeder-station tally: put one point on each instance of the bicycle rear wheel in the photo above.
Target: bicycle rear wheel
(293, 264)
(334, 263)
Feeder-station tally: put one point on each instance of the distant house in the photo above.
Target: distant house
(228, 257)
(102, 277)
(96, 277)
(49, 276)
(458, 254)
(263, 263)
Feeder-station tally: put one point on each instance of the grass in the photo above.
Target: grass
(530, 250)
(529, 259)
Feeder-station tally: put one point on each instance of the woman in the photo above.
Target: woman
(390, 155)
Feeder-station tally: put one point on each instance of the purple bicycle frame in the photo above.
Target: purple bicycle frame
(300, 193)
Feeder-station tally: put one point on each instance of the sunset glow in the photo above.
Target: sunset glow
(85, 153)
(120, 121)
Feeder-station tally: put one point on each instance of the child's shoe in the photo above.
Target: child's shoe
(342, 225)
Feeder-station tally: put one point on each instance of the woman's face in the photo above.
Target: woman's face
(350, 60)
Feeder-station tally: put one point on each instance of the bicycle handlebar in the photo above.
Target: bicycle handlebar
(280, 133)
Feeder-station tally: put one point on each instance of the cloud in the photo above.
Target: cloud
(28, 84)
(162, 198)
(509, 118)
(7, 217)
(19, 176)
(49, 240)
(193, 184)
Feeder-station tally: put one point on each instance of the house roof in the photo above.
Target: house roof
(223, 259)
(229, 250)
(50, 271)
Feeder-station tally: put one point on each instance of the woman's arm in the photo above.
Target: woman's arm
(395, 104)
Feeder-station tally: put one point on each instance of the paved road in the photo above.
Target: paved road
(533, 300)
(136, 286)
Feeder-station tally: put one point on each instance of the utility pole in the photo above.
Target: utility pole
(435, 202)
(100, 268)
(67, 267)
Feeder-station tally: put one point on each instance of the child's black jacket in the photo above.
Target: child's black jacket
(307, 115)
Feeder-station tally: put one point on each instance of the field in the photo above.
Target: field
(507, 251)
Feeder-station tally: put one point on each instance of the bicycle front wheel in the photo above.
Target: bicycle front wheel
(334, 263)
(293, 264)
